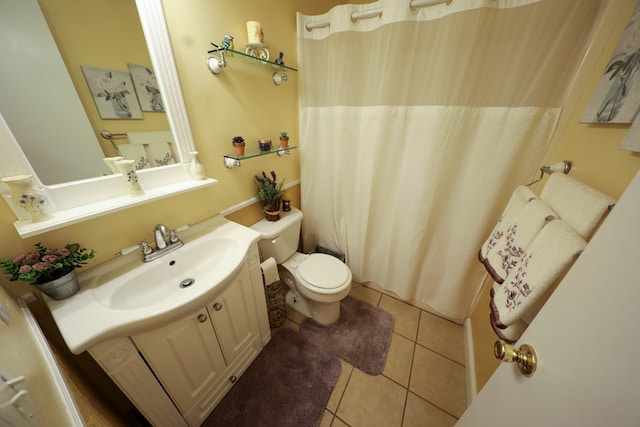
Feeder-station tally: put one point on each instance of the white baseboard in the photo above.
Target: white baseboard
(469, 361)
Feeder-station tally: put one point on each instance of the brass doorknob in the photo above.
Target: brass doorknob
(525, 357)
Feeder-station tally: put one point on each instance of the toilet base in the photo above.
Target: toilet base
(323, 313)
(298, 303)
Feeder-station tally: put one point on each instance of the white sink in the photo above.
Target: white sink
(126, 296)
(204, 262)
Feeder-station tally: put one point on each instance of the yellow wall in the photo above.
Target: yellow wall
(103, 44)
(592, 149)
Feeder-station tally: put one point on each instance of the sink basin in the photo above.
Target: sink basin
(126, 296)
(174, 276)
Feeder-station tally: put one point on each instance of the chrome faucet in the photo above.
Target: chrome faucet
(166, 241)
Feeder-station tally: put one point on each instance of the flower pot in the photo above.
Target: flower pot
(272, 212)
(284, 142)
(272, 215)
(239, 149)
(60, 288)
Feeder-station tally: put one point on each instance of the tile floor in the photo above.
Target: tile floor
(423, 382)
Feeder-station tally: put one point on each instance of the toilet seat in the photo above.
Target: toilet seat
(323, 274)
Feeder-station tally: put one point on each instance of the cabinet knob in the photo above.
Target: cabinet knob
(233, 379)
(217, 306)
(202, 318)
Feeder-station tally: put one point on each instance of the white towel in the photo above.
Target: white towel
(511, 333)
(520, 197)
(548, 258)
(577, 204)
(136, 153)
(507, 247)
(149, 137)
(159, 154)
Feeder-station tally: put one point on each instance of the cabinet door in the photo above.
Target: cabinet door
(185, 356)
(234, 316)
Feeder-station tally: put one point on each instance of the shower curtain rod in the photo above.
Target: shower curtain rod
(367, 14)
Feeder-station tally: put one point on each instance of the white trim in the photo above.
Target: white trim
(469, 361)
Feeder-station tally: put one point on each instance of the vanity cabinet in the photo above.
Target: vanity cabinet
(177, 373)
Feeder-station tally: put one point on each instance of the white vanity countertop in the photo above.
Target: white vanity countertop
(86, 318)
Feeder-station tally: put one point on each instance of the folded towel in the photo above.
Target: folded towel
(136, 153)
(520, 197)
(149, 137)
(511, 333)
(580, 206)
(159, 153)
(543, 264)
(507, 247)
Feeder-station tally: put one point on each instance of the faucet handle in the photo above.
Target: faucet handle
(173, 236)
(146, 249)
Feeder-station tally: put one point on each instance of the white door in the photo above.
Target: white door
(586, 338)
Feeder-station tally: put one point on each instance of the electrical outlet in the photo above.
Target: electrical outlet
(4, 314)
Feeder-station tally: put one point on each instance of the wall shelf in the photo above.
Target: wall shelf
(252, 58)
(233, 161)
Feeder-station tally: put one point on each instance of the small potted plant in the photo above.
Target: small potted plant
(238, 145)
(284, 139)
(269, 191)
(51, 270)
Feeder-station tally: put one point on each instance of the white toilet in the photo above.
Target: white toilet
(317, 282)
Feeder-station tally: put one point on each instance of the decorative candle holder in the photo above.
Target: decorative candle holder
(110, 162)
(196, 169)
(128, 171)
(26, 195)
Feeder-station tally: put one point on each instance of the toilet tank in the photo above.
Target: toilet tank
(279, 238)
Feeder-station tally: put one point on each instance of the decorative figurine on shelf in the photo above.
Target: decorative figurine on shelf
(238, 145)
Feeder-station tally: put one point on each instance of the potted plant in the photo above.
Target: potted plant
(269, 191)
(284, 139)
(238, 145)
(51, 270)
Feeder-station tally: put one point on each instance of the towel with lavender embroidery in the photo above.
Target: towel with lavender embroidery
(543, 264)
(507, 245)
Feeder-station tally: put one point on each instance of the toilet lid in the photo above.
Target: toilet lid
(324, 271)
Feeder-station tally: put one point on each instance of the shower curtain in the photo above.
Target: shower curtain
(416, 126)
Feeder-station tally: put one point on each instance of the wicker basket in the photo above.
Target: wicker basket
(276, 304)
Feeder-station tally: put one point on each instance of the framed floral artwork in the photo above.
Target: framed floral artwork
(146, 86)
(113, 93)
(616, 98)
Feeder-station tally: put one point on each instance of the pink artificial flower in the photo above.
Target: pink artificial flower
(39, 266)
(24, 268)
(19, 259)
(32, 256)
(49, 258)
(64, 252)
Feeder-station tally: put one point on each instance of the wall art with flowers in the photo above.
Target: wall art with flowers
(113, 93)
(616, 98)
(147, 89)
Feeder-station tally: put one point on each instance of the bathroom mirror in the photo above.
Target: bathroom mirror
(46, 101)
(80, 200)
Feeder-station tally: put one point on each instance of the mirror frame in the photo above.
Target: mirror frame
(78, 201)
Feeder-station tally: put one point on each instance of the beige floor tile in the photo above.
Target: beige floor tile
(407, 317)
(365, 293)
(441, 336)
(439, 381)
(338, 390)
(337, 422)
(398, 365)
(327, 419)
(419, 413)
(372, 400)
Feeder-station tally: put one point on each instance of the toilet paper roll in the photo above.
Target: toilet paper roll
(269, 271)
